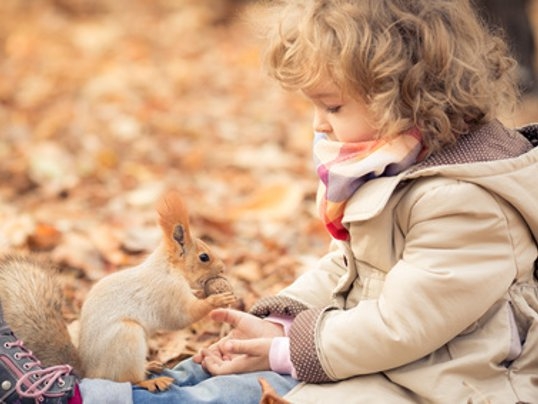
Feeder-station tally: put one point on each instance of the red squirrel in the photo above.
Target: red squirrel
(122, 309)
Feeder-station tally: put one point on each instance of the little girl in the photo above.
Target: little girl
(429, 293)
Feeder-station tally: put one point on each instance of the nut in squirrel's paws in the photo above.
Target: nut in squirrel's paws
(219, 292)
(217, 285)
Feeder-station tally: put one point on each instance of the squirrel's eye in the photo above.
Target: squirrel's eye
(204, 257)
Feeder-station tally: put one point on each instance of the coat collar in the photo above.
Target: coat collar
(490, 142)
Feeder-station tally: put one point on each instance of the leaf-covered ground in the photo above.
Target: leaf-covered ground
(105, 104)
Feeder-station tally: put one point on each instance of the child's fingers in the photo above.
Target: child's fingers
(250, 347)
(198, 357)
(238, 364)
(214, 350)
(229, 316)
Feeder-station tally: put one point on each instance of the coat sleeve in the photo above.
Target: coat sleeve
(458, 260)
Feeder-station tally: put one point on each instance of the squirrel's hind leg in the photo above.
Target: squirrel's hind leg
(119, 353)
(156, 384)
(128, 357)
(159, 383)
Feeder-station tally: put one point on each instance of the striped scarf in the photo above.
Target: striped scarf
(344, 167)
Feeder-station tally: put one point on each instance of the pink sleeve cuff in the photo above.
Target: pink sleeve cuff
(285, 322)
(279, 357)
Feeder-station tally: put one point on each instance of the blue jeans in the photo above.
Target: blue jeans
(194, 385)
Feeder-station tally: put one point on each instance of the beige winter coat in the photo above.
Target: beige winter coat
(434, 300)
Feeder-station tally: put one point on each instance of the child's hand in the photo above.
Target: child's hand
(245, 349)
(238, 356)
(245, 325)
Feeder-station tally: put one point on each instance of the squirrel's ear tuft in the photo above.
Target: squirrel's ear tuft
(174, 219)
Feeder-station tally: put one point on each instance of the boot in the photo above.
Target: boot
(22, 377)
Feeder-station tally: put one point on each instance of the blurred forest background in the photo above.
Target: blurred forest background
(105, 104)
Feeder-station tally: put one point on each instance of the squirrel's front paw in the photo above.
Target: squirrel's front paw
(221, 299)
(154, 367)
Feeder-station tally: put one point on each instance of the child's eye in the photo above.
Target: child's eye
(333, 110)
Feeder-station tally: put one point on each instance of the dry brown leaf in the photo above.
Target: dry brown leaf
(271, 202)
(77, 251)
(44, 237)
(269, 395)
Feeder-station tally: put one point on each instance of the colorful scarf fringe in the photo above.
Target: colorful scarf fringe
(344, 167)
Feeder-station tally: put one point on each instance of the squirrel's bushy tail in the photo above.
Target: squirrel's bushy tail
(32, 300)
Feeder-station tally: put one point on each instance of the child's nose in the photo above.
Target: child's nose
(320, 124)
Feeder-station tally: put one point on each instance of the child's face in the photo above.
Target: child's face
(341, 117)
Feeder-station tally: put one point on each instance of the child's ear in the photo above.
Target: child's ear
(174, 221)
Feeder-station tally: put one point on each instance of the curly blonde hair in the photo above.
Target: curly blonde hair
(430, 64)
